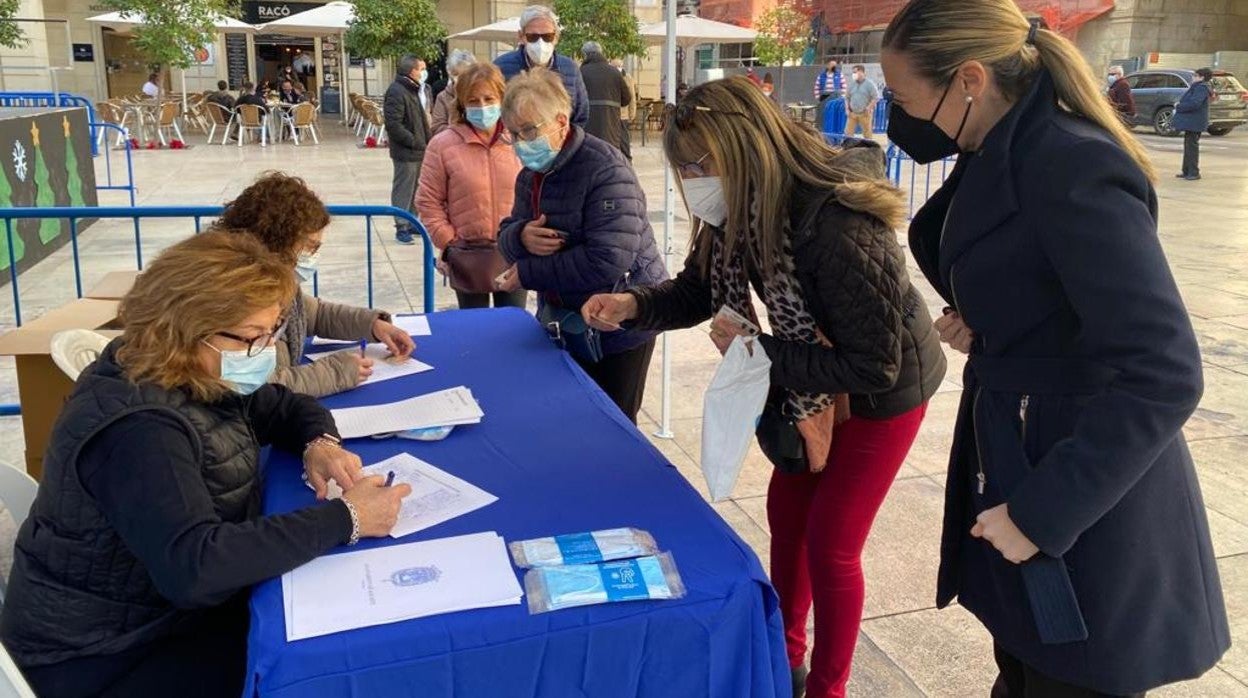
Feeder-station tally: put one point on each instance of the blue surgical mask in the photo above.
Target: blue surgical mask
(305, 268)
(485, 117)
(1113, 79)
(247, 374)
(537, 154)
(424, 75)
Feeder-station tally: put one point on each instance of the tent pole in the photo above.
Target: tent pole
(669, 217)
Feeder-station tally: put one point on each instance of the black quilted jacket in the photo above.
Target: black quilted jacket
(885, 354)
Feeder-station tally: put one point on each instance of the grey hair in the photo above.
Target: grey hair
(459, 59)
(591, 47)
(408, 63)
(533, 12)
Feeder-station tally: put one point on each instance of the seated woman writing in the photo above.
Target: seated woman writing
(130, 575)
(288, 217)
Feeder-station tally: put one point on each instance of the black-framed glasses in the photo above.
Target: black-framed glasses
(256, 344)
(548, 38)
(528, 133)
(690, 170)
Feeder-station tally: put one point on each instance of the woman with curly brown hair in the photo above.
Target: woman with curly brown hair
(288, 217)
(131, 573)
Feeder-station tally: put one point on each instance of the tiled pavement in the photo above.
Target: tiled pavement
(907, 647)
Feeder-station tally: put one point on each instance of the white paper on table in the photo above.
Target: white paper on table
(383, 368)
(334, 593)
(437, 495)
(415, 325)
(444, 408)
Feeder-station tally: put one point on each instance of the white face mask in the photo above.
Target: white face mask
(305, 268)
(539, 51)
(705, 198)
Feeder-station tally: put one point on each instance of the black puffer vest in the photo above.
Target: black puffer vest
(76, 590)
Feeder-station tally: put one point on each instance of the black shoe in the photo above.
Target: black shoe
(799, 681)
(1181, 175)
(1192, 178)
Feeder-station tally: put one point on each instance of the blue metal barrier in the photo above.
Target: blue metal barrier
(197, 213)
(896, 160)
(53, 99)
(108, 162)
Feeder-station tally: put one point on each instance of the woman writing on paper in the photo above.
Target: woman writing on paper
(288, 217)
(809, 228)
(130, 575)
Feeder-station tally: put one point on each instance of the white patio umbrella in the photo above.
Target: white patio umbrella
(504, 30)
(692, 31)
(330, 19)
(125, 22)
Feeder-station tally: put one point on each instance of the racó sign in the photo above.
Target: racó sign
(261, 11)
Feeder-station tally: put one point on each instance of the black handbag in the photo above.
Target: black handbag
(778, 436)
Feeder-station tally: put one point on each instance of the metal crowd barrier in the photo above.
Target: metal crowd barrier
(53, 99)
(197, 214)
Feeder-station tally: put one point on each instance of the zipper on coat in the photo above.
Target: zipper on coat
(1022, 416)
(981, 477)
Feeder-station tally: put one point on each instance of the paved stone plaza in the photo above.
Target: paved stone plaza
(907, 647)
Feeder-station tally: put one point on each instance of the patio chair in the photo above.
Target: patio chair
(168, 122)
(111, 113)
(301, 118)
(219, 116)
(250, 119)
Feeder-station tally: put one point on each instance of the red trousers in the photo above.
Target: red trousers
(819, 524)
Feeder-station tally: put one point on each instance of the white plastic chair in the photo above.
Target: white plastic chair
(17, 491)
(12, 683)
(74, 350)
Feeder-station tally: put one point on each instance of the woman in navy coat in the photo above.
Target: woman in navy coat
(1074, 524)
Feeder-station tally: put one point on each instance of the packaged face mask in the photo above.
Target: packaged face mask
(554, 588)
(583, 548)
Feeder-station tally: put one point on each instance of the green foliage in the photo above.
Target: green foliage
(609, 22)
(172, 31)
(783, 34)
(10, 34)
(391, 28)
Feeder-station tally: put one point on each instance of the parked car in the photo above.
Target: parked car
(1157, 91)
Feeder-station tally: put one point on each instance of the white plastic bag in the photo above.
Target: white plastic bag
(730, 412)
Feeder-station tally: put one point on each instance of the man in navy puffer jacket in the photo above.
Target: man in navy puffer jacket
(578, 226)
(539, 34)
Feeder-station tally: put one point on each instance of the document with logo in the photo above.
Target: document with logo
(335, 593)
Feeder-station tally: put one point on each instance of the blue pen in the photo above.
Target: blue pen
(390, 479)
(363, 346)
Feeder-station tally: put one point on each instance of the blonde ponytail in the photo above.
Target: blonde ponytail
(938, 36)
(1079, 92)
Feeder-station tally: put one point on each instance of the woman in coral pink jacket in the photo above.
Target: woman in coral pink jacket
(467, 185)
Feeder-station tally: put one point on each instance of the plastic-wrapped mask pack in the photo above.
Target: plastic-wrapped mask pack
(650, 577)
(583, 548)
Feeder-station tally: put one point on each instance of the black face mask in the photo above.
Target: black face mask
(923, 140)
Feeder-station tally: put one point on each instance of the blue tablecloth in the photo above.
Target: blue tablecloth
(561, 458)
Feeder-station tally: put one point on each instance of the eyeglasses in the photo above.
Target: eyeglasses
(256, 344)
(681, 114)
(690, 170)
(548, 38)
(528, 133)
